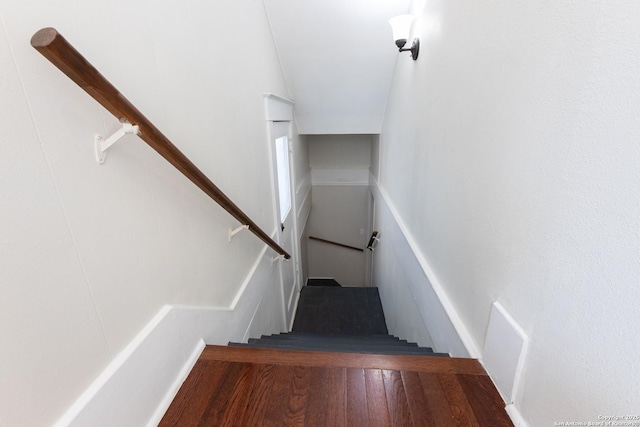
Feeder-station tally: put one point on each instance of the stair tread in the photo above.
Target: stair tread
(447, 365)
(335, 310)
(413, 351)
(323, 282)
(360, 338)
(339, 341)
(329, 344)
(342, 348)
(338, 336)
(334, 319)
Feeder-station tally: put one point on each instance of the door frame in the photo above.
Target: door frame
(279, 110)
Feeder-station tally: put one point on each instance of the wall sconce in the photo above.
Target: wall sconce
(401, 27)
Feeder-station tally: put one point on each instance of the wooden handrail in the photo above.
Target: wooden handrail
(53, 46)
(331, 242)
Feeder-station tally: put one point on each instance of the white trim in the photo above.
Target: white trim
(516, 417)
(250, 276)
(294, 290)
(122, 378)
(305, 205)
(251, 329)
(305, 182)
(175, 387)
(460, 328)
(295, 309)
(279, 98)
(505, 350)
(278, 108)
(137, 387)
(341, 177)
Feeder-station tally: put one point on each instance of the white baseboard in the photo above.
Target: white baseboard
(517, 418)
(175, 387)
(153, 358)
(138, 386)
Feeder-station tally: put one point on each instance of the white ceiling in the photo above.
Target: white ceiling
(337, 57)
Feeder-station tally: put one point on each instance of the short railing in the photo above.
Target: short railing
(331, 242)
(65, 57)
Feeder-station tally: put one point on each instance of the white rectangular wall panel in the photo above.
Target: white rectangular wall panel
(504, 351)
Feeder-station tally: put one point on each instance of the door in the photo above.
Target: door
(283, 183)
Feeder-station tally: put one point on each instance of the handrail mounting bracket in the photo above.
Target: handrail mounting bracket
(276, 258)
(237, 230)
(373, 241)
(102, 145)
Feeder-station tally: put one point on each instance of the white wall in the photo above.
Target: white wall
(301, 159)
(339, 151)
(375, 156)
(510, 151)
(91, 253)
(339, 214)
(410, 292)
(302, 176)
(302, 179)
(140, 383)
(338, 90)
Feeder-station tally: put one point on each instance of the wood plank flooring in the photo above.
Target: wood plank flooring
(231, 386)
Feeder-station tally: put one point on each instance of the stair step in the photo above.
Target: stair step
(323, 282)
(365, 339)
(435, 365)
(311, 346)
(334, 310)
(336, 319)
(328, 341)
(336, 336)
(345, 345)
(299, 335)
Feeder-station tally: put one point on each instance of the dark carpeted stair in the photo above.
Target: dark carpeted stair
(381, 344)
(340, 311)
(338, 319)
(323, 282)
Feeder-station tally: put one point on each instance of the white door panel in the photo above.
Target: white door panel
(283, 182)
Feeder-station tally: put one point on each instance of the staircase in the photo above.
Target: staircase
(338, 319)
(368, 344)
(338, 367)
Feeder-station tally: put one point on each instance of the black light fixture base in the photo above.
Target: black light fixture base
(414, 49)
(400, 43)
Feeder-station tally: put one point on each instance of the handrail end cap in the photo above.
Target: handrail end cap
(44, 37)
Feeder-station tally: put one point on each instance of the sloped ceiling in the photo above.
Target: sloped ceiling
(337, 57)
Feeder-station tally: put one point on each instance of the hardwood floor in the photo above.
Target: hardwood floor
(231, 386)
